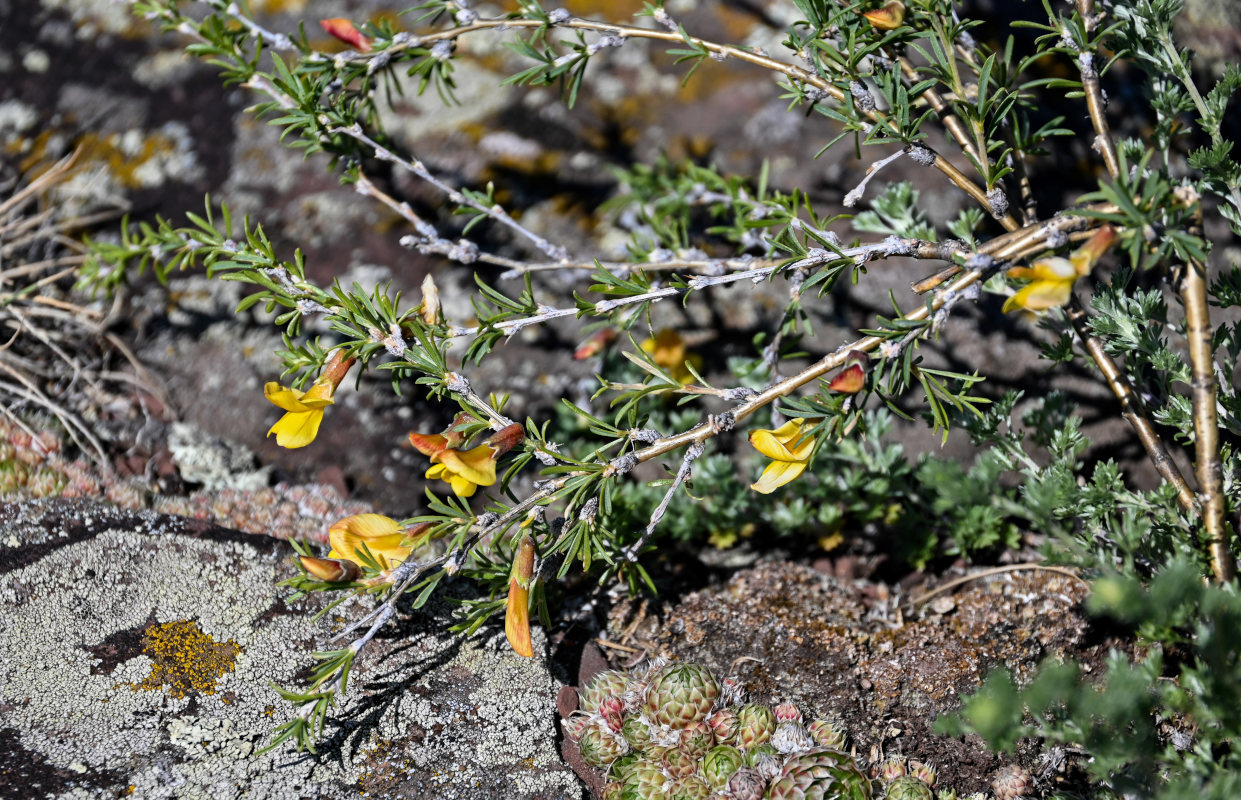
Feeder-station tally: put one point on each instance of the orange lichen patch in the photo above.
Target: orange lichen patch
(122, 160)
(187, 661)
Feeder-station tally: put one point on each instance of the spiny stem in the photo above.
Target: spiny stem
(692, 453)
(794, 73)
(419, 169)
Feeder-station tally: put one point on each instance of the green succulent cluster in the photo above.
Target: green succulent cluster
(673, 731)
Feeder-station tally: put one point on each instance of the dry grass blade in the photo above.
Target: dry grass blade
(55, 355)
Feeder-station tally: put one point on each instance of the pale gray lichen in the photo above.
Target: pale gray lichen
(213, 462)
(467, 716)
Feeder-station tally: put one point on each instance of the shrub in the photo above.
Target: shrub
(527, 502)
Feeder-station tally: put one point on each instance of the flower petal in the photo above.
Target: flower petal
(297, 428)
(381, 535)
(368, 526)
(1040, 296)
(429, 444)
(765, 442)
(1053, 268)
(462, 487)
(319, 395)
(777, 474)
(283, 397)
(477, 465)
(517, 619)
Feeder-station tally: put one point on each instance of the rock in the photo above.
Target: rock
(137, 653)
(214, 462)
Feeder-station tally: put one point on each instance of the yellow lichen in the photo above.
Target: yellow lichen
(187, 661)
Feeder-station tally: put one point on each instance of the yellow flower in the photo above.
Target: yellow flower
(788, 449)
(303, 412)
(382, 536)
(1052, 278)
(668, 351)
(465, 470)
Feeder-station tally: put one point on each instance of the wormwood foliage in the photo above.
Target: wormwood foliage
(1163, 725)
(535, 500)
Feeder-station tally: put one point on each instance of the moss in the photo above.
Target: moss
(187, 660)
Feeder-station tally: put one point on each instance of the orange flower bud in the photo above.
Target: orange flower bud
(594, 344)
(517, 610)
(343, 29)
(850, 380)
(506, 438)
(887, 17)
(332, 570)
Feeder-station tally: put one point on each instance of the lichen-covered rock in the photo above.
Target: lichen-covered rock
(136, 655)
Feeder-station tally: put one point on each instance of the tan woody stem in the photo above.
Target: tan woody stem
(1209, 470)
(1131, 408)
(1094, 96)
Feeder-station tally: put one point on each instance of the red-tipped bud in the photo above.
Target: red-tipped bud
(594, 344)
(1011, 783)
(850, 380)
(332, 570)
(787, 712)
(923, 772)
(343, 29)
(612, 709)
(575, 724)
(892, 768)
(506, 439)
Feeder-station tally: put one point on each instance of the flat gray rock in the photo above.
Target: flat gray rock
(137, 653)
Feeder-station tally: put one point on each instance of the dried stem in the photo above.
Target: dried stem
(987, 573)
(1131, 408)
(692, 453)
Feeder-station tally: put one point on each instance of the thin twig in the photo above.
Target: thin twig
(723, 51)
(1095, 103)
(986, 573)
(692, 454)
